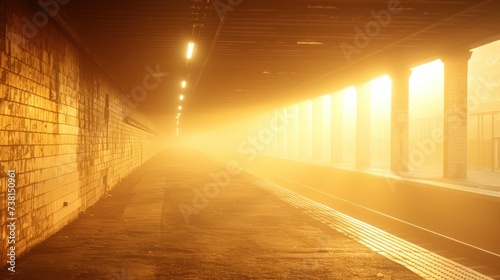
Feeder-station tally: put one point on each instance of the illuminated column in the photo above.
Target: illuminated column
(399, 119)
(281, 130)
(305, 129)
(326, 127)
(273, 135)
(455, 114)
(309, 132)
(317, 128)
(265, 136)
(256, 125)
(302, 143)
(285, 123)
(363, 126)
(292, 130)
(337, 127)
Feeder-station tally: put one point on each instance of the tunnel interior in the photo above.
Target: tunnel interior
(387, 104)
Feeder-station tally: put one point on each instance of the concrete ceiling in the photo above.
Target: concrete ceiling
(268, 52)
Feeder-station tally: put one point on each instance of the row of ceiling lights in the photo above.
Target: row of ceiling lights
(189, 56)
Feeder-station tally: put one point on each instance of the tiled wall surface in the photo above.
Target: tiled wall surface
(62, 129)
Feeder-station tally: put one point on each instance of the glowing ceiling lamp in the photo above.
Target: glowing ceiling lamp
(190, 50)
(183, 84)
(181, 97)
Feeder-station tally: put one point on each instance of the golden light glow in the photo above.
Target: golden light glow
(181, 97)
(183, 84)
(380, 94)
(421, 74)
(350, 98)
(180, 107)
(381, 85)
(327, 102)
(349, 117)
(426, 96)
(190, 50)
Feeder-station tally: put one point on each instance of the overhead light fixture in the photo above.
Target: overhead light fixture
(178, 114)
(309, 43)
(181, 97)
(180, 108)
(190, 50)
(183, 84)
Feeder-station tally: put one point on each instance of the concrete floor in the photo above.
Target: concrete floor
(240, 232)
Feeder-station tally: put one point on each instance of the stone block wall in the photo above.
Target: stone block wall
(64, 128)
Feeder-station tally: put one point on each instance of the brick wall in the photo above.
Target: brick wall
(63, 128)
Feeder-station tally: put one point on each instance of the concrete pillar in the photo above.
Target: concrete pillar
(317, 128)
(363, 126)
(303, 130)
(281, 131)
(309, 123)
(273, 135)
(305, 136)
(337, 127)
(292, 130)
(455, 114)
(399, 119)
(264, 134)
